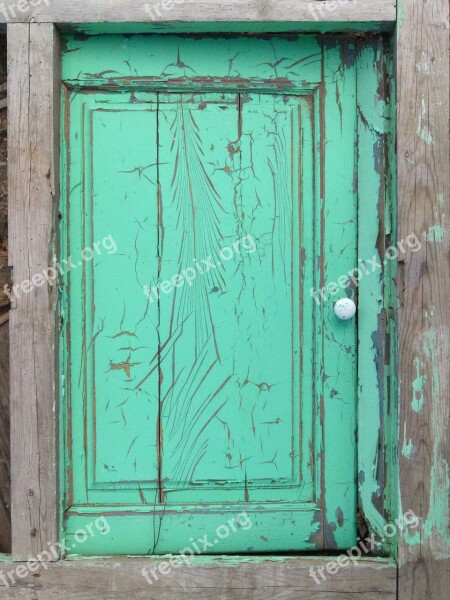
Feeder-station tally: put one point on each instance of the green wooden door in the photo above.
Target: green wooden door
(208, 188)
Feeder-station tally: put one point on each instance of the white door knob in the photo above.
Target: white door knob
(345, 309)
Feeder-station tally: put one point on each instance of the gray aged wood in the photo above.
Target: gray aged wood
(136, 11)
(424, 290)
(33, 127)
(220, 578)
(268, 593)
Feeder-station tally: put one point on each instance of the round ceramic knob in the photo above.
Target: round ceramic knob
(345, 309)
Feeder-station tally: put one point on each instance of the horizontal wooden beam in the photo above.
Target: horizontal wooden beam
(167, 11)
(216, 578)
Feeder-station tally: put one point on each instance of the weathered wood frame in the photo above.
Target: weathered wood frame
(423, 285)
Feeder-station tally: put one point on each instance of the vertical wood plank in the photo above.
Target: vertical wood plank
(33, 127)
(424, 288)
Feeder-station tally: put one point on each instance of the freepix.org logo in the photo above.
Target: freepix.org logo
(13, 10)
(240, 522)
(187, 276)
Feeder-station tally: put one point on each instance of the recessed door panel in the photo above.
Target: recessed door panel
(230, 212)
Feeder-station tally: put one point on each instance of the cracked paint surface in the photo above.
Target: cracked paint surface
(238, 391)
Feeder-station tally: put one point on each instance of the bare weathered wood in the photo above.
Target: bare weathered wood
(268, 593)
(220, 578)
(136, 11)
(3, 103)
(32, 196)
(14, 593)
(5, 495)
(424, 291)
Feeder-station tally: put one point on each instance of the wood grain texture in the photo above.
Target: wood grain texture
(32, 193)
(424, 289)
(294, 593)
(15, 594)
(5, 494)
(227, 578)
(129, 11)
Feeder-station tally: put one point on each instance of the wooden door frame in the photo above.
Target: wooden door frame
(421, 433)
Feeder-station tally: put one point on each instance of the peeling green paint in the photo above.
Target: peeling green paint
(423, 66)
(431, 353)
(434, 234)
(417, 384)
(408, 446)
(435, 524)
(400, 13)
(377, 383)
(229, 561)
(422, 128)
(224, 560)
(430, 312)
(437, 521)
(6, 558)
(232, 27)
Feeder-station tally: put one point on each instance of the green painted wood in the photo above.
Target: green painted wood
(164, 62)
(111, 330)
(315, 26)
(189, 400)
(234, 371)
(336, 249)
(377, 449)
